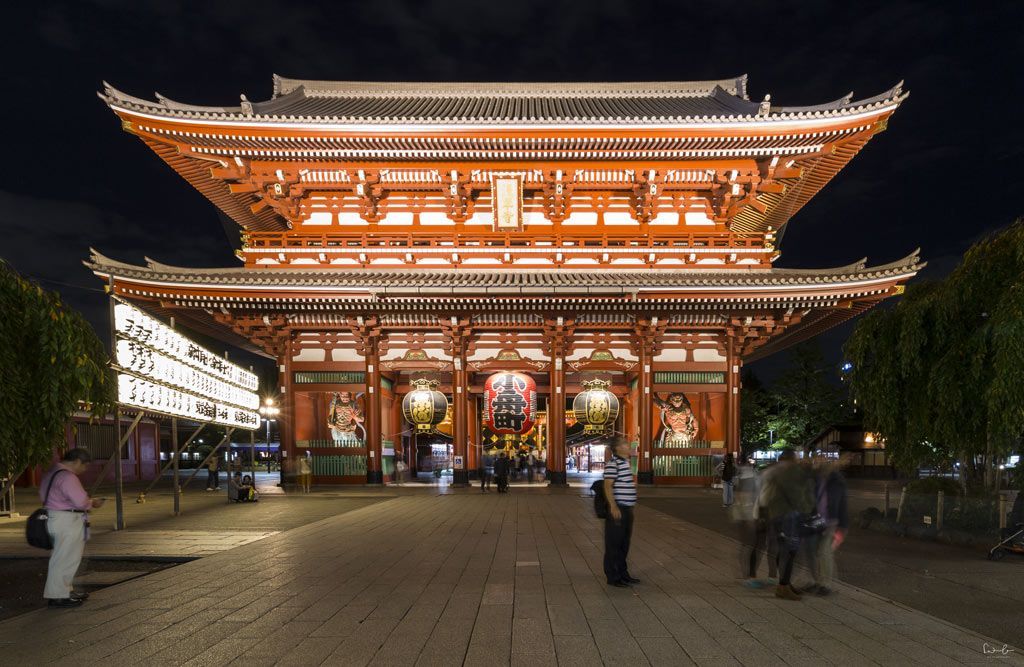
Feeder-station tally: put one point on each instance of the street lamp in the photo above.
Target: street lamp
(268, 410)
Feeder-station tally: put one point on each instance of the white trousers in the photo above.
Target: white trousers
(68, 532)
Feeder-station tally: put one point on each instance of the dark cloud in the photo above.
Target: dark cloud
(943, 173)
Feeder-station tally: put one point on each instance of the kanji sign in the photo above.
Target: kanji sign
(510, 403)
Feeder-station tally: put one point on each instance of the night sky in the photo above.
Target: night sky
(946, 172)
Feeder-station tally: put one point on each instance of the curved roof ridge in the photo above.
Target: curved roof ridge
(99, 262)
(735, 86)
(896, 93)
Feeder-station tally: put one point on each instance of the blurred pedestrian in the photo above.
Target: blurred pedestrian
(486, 472)
(305, 472)
(831, 504)
(212, 476)
(727, 471)
(753, 527)
(620, 491)
(786, 497)
(67, 506)
(501, 470)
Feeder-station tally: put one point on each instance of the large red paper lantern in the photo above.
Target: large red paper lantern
(510, 403)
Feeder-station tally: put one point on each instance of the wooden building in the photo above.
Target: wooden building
(571, 230)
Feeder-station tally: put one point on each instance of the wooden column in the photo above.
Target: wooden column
(286, 417)
(460, 418)
(556, 418)
(732, 398)
(645, 348)
(371, 355)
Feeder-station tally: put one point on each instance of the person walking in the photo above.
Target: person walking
(620, 490)
(212, 477)
(754, 534)
(727, 471)
(831, 496)
(67, 506)
(305, 472)
(487, 472)
(786, 497)
(501, 468)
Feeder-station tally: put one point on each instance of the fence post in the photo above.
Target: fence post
(887, 500)
(939, 502)
(899, 510)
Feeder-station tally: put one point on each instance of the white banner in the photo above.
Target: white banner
(140, 393)
(163, 371)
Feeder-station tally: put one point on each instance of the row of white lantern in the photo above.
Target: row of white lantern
(146, 362)
(133, 324)
(140, 393)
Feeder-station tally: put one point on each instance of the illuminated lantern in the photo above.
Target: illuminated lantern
(510, 404)
(596, 407)
(424, 406)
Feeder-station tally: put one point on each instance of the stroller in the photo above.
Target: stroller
(1012, 537)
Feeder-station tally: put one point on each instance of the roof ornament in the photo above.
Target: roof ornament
(765, 106)
(246, 105)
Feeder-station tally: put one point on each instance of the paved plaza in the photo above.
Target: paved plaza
(475, 579)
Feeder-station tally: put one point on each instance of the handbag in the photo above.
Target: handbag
(35, 528)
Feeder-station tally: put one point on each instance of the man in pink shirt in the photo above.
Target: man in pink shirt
(68, 505)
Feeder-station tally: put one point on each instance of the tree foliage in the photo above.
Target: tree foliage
(803, 401)
(941, 375)
(50, 359)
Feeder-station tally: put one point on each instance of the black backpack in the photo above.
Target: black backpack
(35, 528)
(600, 501)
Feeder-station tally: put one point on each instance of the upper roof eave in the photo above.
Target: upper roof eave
(742, 112)
(464, 281)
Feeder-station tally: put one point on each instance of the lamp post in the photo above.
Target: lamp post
(268, 410)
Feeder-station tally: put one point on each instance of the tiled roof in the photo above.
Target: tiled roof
(427, 282)
(374, 103)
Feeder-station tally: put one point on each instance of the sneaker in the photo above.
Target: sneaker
(753, 584)
(823, 591)
(65, 602)
(786, 593)
(209, 488)
(79, 595)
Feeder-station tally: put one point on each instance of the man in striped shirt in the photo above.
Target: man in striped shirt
(620, 490)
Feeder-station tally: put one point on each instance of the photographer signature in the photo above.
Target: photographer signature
(989, 649)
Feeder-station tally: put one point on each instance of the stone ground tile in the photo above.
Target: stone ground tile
(616, 645)
(533, 660)
(663, 651)
(309, 651)
(489, 653)
(577, 650)
(532, 637)
(447, 644)
(530, 605)
(568, 620)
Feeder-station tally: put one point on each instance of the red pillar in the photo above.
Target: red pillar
(373, 413)
(732, 403)
(556, 418)
(460, 418)
(645, 474)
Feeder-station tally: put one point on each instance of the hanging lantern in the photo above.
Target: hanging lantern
(596, 407)
(424, 406)
(510, 404)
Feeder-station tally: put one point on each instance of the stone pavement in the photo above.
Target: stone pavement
(478, 579)
(208, 523)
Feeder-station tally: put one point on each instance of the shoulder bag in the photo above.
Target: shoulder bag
(35, 528)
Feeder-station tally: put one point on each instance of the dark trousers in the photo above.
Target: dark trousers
(212, 479)
(616, 545)
(502, 483)
(485, 480)
(755, 536)
(789, 545)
